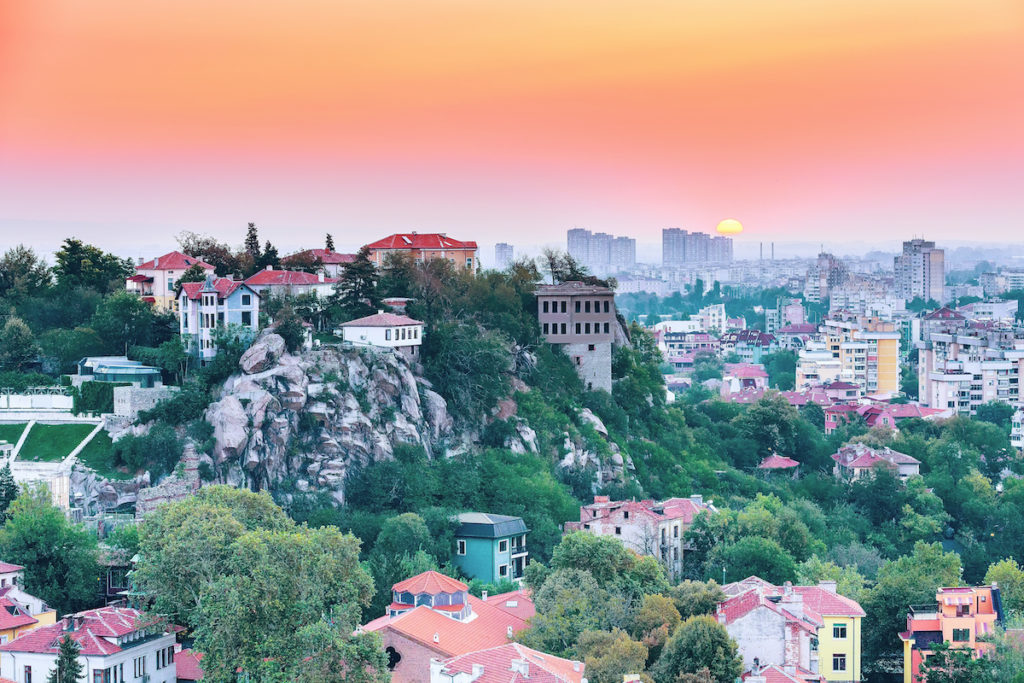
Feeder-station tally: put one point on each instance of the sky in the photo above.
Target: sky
(125, 122)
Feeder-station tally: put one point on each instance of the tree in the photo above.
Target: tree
(289, 326)
(61, 559)
(693, 598)
(329, 243)
(123, 320)
(356, 290)
(83, 265)
(699, 642)
(753, 556)
(610, 655)
(67, 347)
(849, 581)
(8, 490)
(17, 345)
(194, 273)
(655, 620)
(68, 669)
(947, 664)
(269, 257)
(467, 365)
(568, 603)
(22, 273)
(781, 369)
(219, 255)
(1010, 577)
(252, 243)
(996, 412)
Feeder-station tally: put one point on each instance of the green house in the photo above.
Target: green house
(491, 548)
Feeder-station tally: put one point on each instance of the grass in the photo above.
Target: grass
(11, 433)
(52, 443)
(98, 454)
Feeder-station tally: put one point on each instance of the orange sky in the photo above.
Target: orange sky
(495, 119)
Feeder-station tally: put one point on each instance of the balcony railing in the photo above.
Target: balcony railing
(925, 611)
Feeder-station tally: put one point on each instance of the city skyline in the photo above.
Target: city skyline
(871, 119)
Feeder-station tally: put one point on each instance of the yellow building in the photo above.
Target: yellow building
(868, 350)
(839, 644)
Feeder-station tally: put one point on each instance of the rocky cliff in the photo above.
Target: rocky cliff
(309, 419)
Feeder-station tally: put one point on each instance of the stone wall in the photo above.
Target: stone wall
(128, 401)
(593, 366)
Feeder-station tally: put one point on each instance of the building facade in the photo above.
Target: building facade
(868, 350)
(962, 370)
(491, 548)
(504, 254)
(204, 307)
(684, 248)
(581, 320)
(155, 280)
(921, 271)
(425, 247)
(20, 612)
(385, 331)
(291, 283)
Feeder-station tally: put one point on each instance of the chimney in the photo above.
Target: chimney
(269, 267)
(139, 261)
(320, 276)
(483, 595)
(697, 499)
(437, 637)
(156, 262)
(521, 666)
(478, 671)
(509, 632)
(829, 586)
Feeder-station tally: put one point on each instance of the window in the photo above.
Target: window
(460, 547)
(675, 531)
(579, 328)
(839, 662)
(839, 631)
(387, 335)
(606, 328)
(140, 667)
(503, 570)
(28, 674)
(503, 546)
(586, 307)
(577, 306)
(101, 676)
(586, 328)
(625, 514)
(247, 317)
(563, 328)
(605, 306)
(563, 307)
(545, 328)
(170, 284)
(961, 635)
(590, 347)
(545, 306)
(618, 531)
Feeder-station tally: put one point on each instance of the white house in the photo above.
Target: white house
(118, 645)
(385, 330)
(217, 302)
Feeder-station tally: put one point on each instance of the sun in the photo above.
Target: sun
(730, 226)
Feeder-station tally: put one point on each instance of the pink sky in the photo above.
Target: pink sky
(126, 122)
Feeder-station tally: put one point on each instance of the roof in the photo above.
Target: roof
(517, 603)
(92, 633)
(497, 663)
(801, 328)
(841, 385)
(745, 370)
(827, 603)
(430, 582)
(174, 260)
(7, 567)
(382, 320)
(572, 288)
(13, 614)
(777, 674)
(746, 602)
(748, 337)
(944, 313)
(777, 462)
(858, 455)
(186, 664)
(287, 278)
(323, 255)
(484, 525)
(488, 628)
(413, 240)
(224, 286)
(140, 278)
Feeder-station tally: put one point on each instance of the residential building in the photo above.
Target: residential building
(331, 263)
(20, 612)
(1003, 312)
(601, 252)
(868, 350)
(962, 370)
(646, 527)
(511, 663)
(920, 271)
(737, 377)
(623, 253)
(750, 345)
(217, 303)
(155, 280)
(116, 369)
(504, 254)
(816, 365)
(580, 319)
(189, 666)
(825, 274)
(942, 320)
(808, 628)
(385, 331)
(786, 312)
(425, 247)
(118, 645)
(491, 548)
(959, 616)
(271, 282)
(712, 318)
(774, 673)
(683, 248)
(853, 460)
(1017, 430)
(433, 617)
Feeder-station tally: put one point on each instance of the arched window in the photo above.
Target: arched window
(393, 657)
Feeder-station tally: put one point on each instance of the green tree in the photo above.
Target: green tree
(1010, 577)
(123, 320)
(219, 255)
(996, 412)
(468, 366)
(699, 642)
(329, 243)
(194, 273)
(753, 556)
(67, 347)
(83, 265)
(568, 603)
(849, 581)
(252, 242)
(781, 369)
(269, 257)
(18, 347)
(610, 655)
(654, 621)
(68, 669)
(8, 490)
(947, 664)
(22, 273)
(61, 559)
(693, 598)
(356, 290)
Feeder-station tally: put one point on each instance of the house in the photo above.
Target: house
(804, 628)
(868, 350)
(491, 548)
(155, 280)
(773, 673)
(118, 644)
(855, 459)
(20, 612)
(750, 345)
(795, 337)
(511, 663)
(188, 664)
(958, 616)
(838, 414)
(331, 263)
(580, 319)
(433, 616)
(1017, 430)
(117, 369)
(842, 392)
(737, 377)
(290, 283)
(216, 303)
(779, 463)
(424, 248)
(646, 527)
(385, 331)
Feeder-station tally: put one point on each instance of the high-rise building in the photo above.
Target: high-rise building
(683, 248)
(503, 255)
(578, 244)
(920, 271)
(600, 252)
(623, 253)
(868, 350)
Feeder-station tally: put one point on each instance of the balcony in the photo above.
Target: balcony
(518, 549)
(925, 611)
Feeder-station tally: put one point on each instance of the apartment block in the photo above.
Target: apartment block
(684, 248)
(963, 369)
(920, 271)
(504, 253)
(580, 319)
(868, 350)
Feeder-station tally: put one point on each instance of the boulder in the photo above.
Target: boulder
(230, 428)
(263, 354)
(593, 420)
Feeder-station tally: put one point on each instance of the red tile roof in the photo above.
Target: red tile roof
(944, 313)
(801, 328)
(827, 603)
(518, 603)
(186, 664)
(412, 240)
(96, 627)
(7, 567)
(430, 582)
(743, 604)
(777, 462)
(14, 615)
(324, 256)
(287, 278)
(224, 286)
(776, 674)
(173, 261)
(498, 668)
(745, 370)
(382, 320)
(140, 278)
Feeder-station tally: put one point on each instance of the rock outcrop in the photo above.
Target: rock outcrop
(308, 420)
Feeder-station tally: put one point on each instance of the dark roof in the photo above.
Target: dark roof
(572, 288)
(483, 525)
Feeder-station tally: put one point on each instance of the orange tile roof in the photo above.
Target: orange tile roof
(517, 603)
(430, 582)
(175, 260)
(412, 240)
(497, 666)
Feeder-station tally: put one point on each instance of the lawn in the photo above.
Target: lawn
(99, 455)
(52, 443)
(11, 433)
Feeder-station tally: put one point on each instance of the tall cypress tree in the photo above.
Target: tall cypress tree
(252, 242)
(356, 290)
(8, 490)
(329, 243)
(68, 669)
